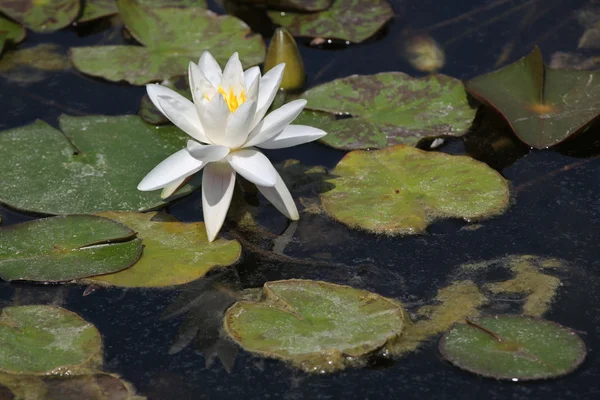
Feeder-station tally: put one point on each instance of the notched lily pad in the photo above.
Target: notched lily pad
(351, 20)
(41, 15)
(10, 31)
(47, 340)
(174, 252)
(101, 173)
(65, 248)
(171, 37)
(401, 190)
(513, 348)
(317, 326)
(388, 108)
(544, 106)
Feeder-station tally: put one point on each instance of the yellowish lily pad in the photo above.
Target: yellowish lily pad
(316, 326)
(47, 340)
(401, 190)
(174, 252)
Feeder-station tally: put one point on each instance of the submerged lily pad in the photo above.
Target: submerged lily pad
(352, 20)
(10, 31)
(401, 189)
(65, 248)
(47, 340)
(112, 155)
(317, 326)
(544, 106)
(513, 347)
(171, 38)
(388, 108)
(32, 64)
(174, 252)
(94, 9)
(41, 15)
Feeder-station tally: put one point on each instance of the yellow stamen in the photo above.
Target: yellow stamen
(233, 101)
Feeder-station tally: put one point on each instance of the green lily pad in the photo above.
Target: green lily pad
(171, 38)
(174, 252)
(65, 248)
(298, 5)
(10, 31)
(33, 64)
(544, 106)
(388, 108)
(401, 189)
(317, 326)
(351, 20)
(41, 15)
(47, 340)
(94, 9)
(513, 347)
(101, 173)
(148, 110)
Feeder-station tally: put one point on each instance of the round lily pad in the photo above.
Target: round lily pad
(10, 31)
(317, 326)
(388, 108)
(401, 190)
(171, 37)
(351, 20)
(41, 15)
(65, 248)
(513, 347)
(174, 252)
(47, 340)
(95, 165)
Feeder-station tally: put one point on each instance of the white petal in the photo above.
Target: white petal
(280, 197)
(233, 76)
(172, 188)
(218, 181)
(238, 125)
(252, 94)
(293, 135)
(254, 166)
(275, 122)
(175, 167)
(207, 153)
(214, 115)
(178, 109)
(210, 68)
(200, 86)
(250, 75)
(269, 85)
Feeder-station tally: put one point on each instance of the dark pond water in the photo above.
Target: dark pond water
(166, 342)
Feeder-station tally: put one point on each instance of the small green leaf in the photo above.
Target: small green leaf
(544, 106)
(388, 108)
(101, 173)
(10, 31)
(513, 347)
(65, 248)
(401, 189)
(41, 15)
(171, 38)
(174, 252)
(94, 9)
(352, 20)
(317, 326)
(47, 340)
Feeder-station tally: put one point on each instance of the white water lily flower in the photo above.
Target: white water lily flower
(227, 120)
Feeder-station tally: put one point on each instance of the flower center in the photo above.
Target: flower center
(233, 101)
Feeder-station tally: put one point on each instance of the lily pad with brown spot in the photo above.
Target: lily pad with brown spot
(316, 326)
(93, 165)
(351, 20)
(174, 252)
(388, 108)
(41, 15)
(513, 348)
(64, 248)
(401, 190)
(10, 32)
(171, 37)
(544, 106)
(47, 340)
